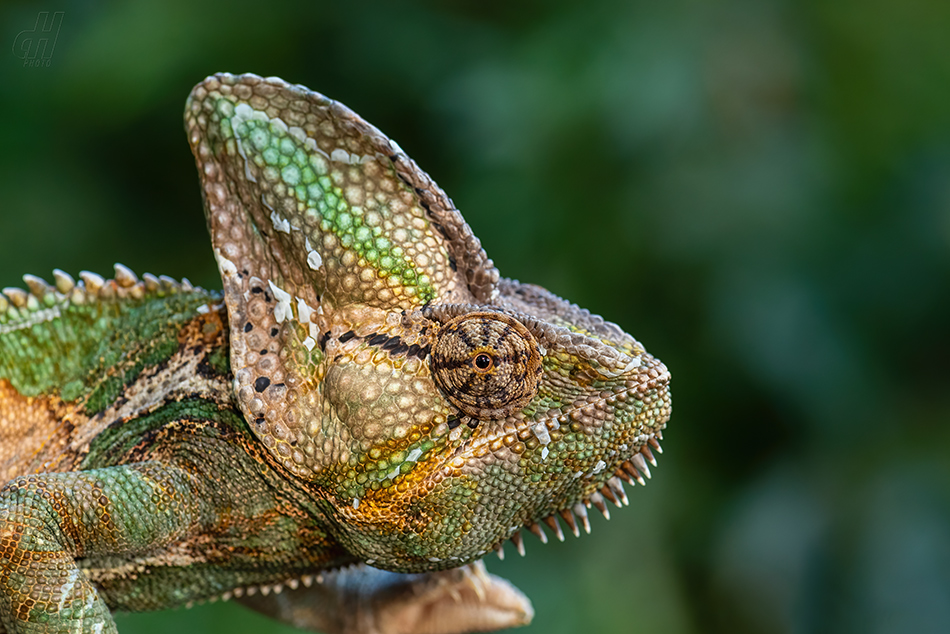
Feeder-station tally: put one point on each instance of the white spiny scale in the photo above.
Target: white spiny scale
(293, 584)
(307, 580)
(617, 487)
(124, 276)
(518, 542)
(64, 281)
(538, 532)
(633, 473)
(581, 511)
(500, 551)
(552, 523)
(37, 285)
(641, 464)
(152, 283)
(645, 450)
(169, 283)
(238, 592)
(598, 501)
(608, 495)
(92, 282)
(570, 521)
(17, 296)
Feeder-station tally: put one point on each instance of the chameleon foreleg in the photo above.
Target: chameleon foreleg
(48, 521)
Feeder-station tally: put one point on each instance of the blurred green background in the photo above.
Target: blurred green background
(757, 190)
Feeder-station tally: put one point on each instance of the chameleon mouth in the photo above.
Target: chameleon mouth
(635, 470)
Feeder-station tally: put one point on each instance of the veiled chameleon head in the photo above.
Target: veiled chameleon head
(377, 355)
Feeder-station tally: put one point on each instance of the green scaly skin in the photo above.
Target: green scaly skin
(367, 389)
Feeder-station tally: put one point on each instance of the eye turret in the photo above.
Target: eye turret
(486, 364)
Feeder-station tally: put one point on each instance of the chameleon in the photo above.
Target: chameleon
(340, 435)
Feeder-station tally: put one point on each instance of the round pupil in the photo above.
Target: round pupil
(482, 361)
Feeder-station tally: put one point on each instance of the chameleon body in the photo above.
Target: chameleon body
(366, 390)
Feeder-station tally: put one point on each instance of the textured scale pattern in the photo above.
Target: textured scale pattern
(367, 390)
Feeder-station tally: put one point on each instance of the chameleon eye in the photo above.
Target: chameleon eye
(482, 362)
(486, 364)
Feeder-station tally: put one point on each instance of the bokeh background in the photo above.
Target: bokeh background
(759, 190)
